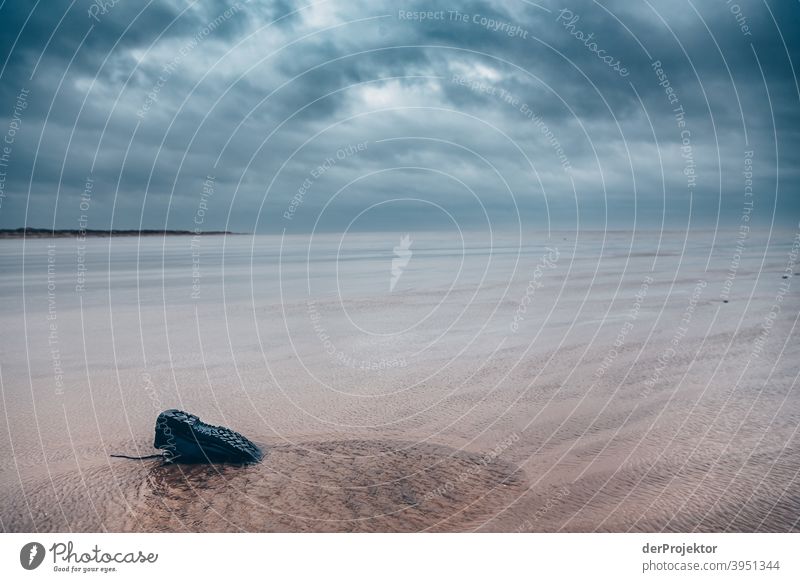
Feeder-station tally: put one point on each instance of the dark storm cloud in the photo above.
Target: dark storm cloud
(151, 99)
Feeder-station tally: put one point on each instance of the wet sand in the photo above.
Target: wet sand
(630, 396)
(359, 486)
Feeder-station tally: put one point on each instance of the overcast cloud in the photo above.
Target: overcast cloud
(505, 112)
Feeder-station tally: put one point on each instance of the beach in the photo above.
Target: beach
(542, 381)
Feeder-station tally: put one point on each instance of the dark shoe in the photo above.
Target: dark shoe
(187, 439)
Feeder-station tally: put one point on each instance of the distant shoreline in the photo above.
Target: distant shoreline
(14, 233)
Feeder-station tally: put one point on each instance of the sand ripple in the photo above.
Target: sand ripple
(356, 485)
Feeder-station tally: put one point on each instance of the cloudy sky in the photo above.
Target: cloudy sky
(363, 114)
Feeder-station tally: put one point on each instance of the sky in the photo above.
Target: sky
(368, 115)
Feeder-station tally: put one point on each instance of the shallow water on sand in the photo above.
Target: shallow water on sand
(331, 486)
(583, 382)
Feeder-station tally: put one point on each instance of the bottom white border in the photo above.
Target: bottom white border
(406, 557)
